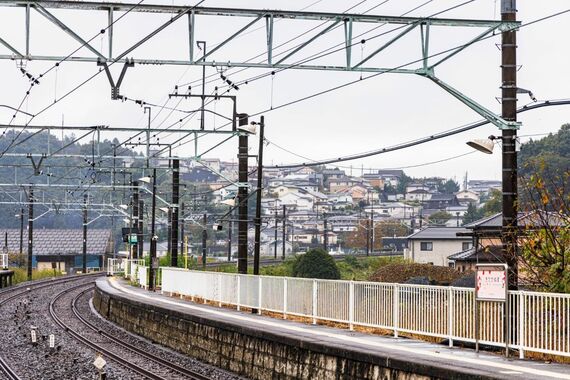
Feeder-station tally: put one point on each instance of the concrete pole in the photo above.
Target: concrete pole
(153, 237)
(84, 267)
(509, 137)
(30, 231)
(257, 246)
(242, 196)
(174, 213)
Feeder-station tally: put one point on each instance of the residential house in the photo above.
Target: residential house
(418, 195)
(297, 201)
(375, 180)
(417, 186)
(391, 176)
(466, 197)
(329, 174)
(433, 245)
(441, 202)
(336, 185)
(342, 223)
(483, 186)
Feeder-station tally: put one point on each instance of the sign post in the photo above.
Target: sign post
(491, 285)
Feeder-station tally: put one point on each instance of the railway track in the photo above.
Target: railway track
(145, 364)
(11, 294)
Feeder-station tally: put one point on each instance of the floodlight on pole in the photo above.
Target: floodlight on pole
(145, 180)
(124, 207)
(126, 220)
(251, 128)
(164, 209)
(483, 145)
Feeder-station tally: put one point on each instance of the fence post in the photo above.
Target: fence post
(238, 292)
(285, 298)
(396, 301)
(450, 314)
(351, 305)
(314, 302)
(522, 323)
(220, 289)
(260, 282)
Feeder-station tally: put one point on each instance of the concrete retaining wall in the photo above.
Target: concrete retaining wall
(254, 353)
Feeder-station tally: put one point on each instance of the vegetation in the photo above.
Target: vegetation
(440, 218)
(21, 274)
(404, 272)
(545, 241)
(357, 239)
(316, 263)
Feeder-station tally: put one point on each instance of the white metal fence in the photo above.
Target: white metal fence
(542, 323)
(3, 261)
(115, 266)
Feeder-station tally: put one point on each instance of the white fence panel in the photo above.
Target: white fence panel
(3, 261)
(542, 322)
(143, 276)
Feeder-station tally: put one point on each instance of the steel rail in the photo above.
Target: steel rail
(4, 366)
(96, 347)
(175, 367)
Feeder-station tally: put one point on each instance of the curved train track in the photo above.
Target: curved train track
(13, 293)
(139, 361)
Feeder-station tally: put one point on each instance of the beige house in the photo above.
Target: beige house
(433, 245)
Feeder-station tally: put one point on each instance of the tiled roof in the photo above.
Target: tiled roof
(49, 242)
(439, 233)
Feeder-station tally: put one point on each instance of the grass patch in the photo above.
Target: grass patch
(21, 274)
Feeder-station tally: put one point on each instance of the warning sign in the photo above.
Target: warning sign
(492, 283)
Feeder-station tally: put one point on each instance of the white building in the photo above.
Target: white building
(433, 245)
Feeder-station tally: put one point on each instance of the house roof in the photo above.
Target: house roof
(524, 219)
(491, 253)
(439, 233)
(418, 191)
(442, 197)
(389, 172)
(50, 242)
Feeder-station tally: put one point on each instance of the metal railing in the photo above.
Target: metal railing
(131, 268)
(542, 321)
(115, 266)
(3, 261)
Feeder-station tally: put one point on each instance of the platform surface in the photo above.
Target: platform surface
(417, 353)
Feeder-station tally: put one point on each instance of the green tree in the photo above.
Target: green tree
(448, 187)
(440, 217)
(494, 204)
(473, 213)
(316, 263)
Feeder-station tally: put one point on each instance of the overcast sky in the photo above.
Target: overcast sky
(375, 113)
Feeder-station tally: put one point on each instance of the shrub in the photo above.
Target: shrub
(316, 263)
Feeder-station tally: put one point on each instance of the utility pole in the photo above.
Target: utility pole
(153, 237)
(182, 231)
(367, 237)
(284, 231)
(372, 225)
(275, 237)
(140, 227)
(30, 231)
(242, 195)
(169, 233)
(84, 268)
(135, 220)
(325, 240)
(257, 243)
(21, 259)
(204, 240)
(174, 211)
(230, 228)
(509, 138)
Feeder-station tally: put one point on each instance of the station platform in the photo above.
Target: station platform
(422, 358)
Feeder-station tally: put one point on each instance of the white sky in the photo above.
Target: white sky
(371, 114)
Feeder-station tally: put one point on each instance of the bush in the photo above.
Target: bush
(316, 263)
(402, 273)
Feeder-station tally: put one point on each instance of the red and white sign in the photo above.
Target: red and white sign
(491, 284)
